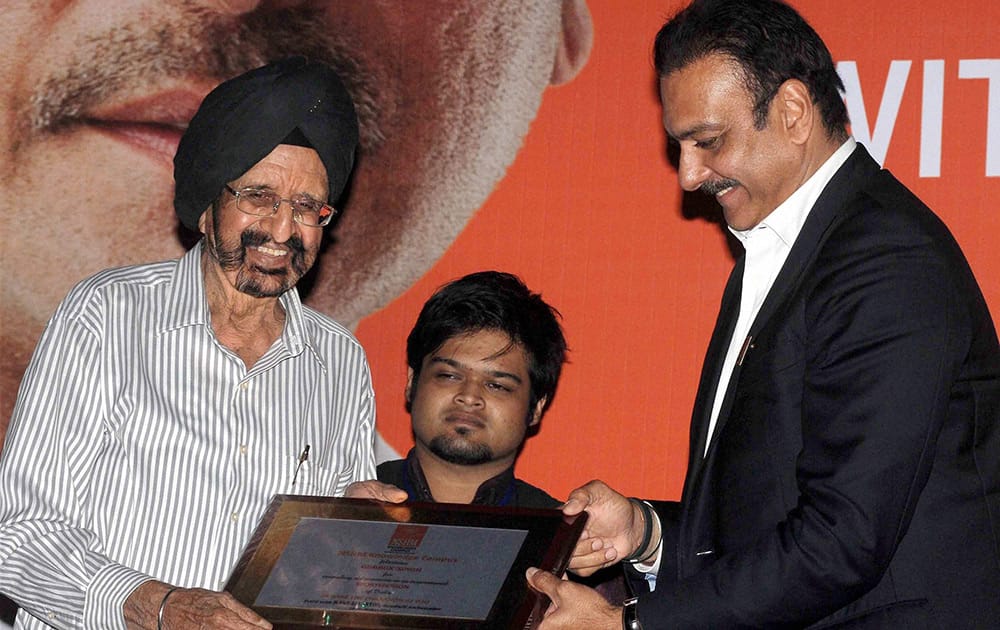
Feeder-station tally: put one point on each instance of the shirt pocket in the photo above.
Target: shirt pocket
(316, 477)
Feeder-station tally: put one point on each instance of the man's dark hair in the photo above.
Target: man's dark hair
(493, 300)
(769, 41)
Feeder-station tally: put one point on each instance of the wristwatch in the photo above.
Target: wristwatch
(630, 619)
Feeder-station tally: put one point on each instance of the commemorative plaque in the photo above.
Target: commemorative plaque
(322, 562)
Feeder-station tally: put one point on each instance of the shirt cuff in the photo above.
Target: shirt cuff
(106, 595)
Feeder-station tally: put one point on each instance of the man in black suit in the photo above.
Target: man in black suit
(845, 440)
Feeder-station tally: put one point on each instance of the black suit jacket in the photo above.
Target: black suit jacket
(854, 475)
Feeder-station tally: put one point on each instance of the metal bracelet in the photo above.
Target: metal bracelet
(647, 532)
(163, 604)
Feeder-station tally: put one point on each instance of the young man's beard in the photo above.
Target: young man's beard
(459, 451)
(250, 280)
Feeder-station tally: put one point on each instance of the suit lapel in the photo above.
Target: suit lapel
(712, 368)
(694, 503)
(845, 183)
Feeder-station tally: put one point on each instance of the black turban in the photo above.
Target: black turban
(242, 120)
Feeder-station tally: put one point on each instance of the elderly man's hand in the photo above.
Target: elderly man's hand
(377, 490)
(573, 606)
(614, 527)
(187, 608)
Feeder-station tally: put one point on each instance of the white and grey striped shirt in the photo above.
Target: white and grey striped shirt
(140, 447)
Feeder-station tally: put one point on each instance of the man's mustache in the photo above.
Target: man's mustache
(233, 258)
(196, 43)
(714, 187)
(255, 238)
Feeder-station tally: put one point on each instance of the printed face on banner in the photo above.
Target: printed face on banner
(470, 403)
(708, 112)
(96, 93)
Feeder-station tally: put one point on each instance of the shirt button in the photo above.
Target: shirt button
(234, 516)
(243, 449)
(244, 385)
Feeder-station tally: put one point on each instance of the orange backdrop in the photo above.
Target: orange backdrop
(589, 215)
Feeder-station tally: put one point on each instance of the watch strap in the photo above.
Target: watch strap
(630, 616)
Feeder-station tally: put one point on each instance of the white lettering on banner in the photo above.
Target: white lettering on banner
(988, 69)
(932, 118)
(877, 137)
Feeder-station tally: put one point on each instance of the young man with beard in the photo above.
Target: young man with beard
(166, 403)
(484, 360)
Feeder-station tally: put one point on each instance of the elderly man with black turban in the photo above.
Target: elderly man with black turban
(166, 403)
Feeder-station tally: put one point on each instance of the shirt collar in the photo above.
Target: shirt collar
(190, 306)
(787, 219)
(493, 491)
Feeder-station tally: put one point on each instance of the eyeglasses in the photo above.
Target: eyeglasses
(265, 203)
